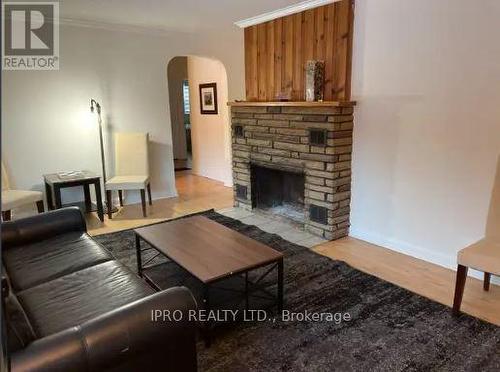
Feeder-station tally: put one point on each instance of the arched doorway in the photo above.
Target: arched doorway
(201, 138)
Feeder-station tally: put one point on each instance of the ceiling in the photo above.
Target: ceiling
(168, 15)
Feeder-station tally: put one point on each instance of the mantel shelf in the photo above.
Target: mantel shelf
(294, 103)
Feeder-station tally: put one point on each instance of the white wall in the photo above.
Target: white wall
(426, 76)
(210, 134)
(43, 117)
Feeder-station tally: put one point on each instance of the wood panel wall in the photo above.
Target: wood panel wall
(276, 53)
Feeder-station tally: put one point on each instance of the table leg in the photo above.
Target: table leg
(39, 206)
(98, 196)
(143, 201)
(138, 253)
(149, 194)
(206, 307)
(280, 285)
(48, 195)
(120, 196)
(57, 196)
(86, 196)
(109, 203)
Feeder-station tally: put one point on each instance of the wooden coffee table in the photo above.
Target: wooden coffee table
(210, 252)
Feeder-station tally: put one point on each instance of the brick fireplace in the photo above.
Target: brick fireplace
(295, 160)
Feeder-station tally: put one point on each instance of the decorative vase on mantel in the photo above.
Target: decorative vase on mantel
(315, 80)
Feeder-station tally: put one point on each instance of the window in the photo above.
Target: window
(185, 94)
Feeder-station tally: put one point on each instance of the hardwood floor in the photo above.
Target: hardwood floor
(432, 281)
(196, 194)
(429, 280)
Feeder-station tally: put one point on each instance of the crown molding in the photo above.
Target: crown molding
(283, 12)
(111, 26)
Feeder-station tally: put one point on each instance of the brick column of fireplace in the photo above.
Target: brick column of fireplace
(315, 141)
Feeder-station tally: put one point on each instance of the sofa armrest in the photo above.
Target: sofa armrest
(124, 339)
(42, 226)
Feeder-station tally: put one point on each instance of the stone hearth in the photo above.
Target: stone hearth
(315, 142)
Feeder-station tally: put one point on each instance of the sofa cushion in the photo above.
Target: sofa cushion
(19, 330)
(39, 262)
(75, 298)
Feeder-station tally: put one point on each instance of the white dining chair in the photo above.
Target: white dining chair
(483, 255)
(131, 168)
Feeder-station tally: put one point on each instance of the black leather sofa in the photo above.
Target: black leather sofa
(70, 306)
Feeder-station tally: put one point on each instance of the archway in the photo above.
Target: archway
(201, 140)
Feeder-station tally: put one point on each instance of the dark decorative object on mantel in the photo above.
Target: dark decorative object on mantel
(315, 80)
(208, 98)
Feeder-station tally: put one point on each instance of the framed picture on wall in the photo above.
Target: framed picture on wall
(208, 98)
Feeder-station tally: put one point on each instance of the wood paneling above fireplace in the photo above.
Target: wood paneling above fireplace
(276, 52)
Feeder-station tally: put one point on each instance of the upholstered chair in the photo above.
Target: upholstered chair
(131, 168)
(483, 255)
(17, 198)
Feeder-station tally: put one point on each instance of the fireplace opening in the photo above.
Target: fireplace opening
(278, 192)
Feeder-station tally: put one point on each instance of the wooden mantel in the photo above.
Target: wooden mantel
(294, 103)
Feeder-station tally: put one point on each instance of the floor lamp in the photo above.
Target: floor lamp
(96, 107)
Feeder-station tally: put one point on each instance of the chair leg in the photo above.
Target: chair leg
(6, 215)
(459, 288)
(149, 194)
(486, 283)
(120, 196)
(143, 200)
(39, 206)
(109, 203)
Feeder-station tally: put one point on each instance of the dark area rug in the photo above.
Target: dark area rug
(391, 329)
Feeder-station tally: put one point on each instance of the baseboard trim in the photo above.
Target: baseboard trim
(135, 197)
(424, 254)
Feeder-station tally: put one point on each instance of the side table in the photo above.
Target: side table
(57, 181)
